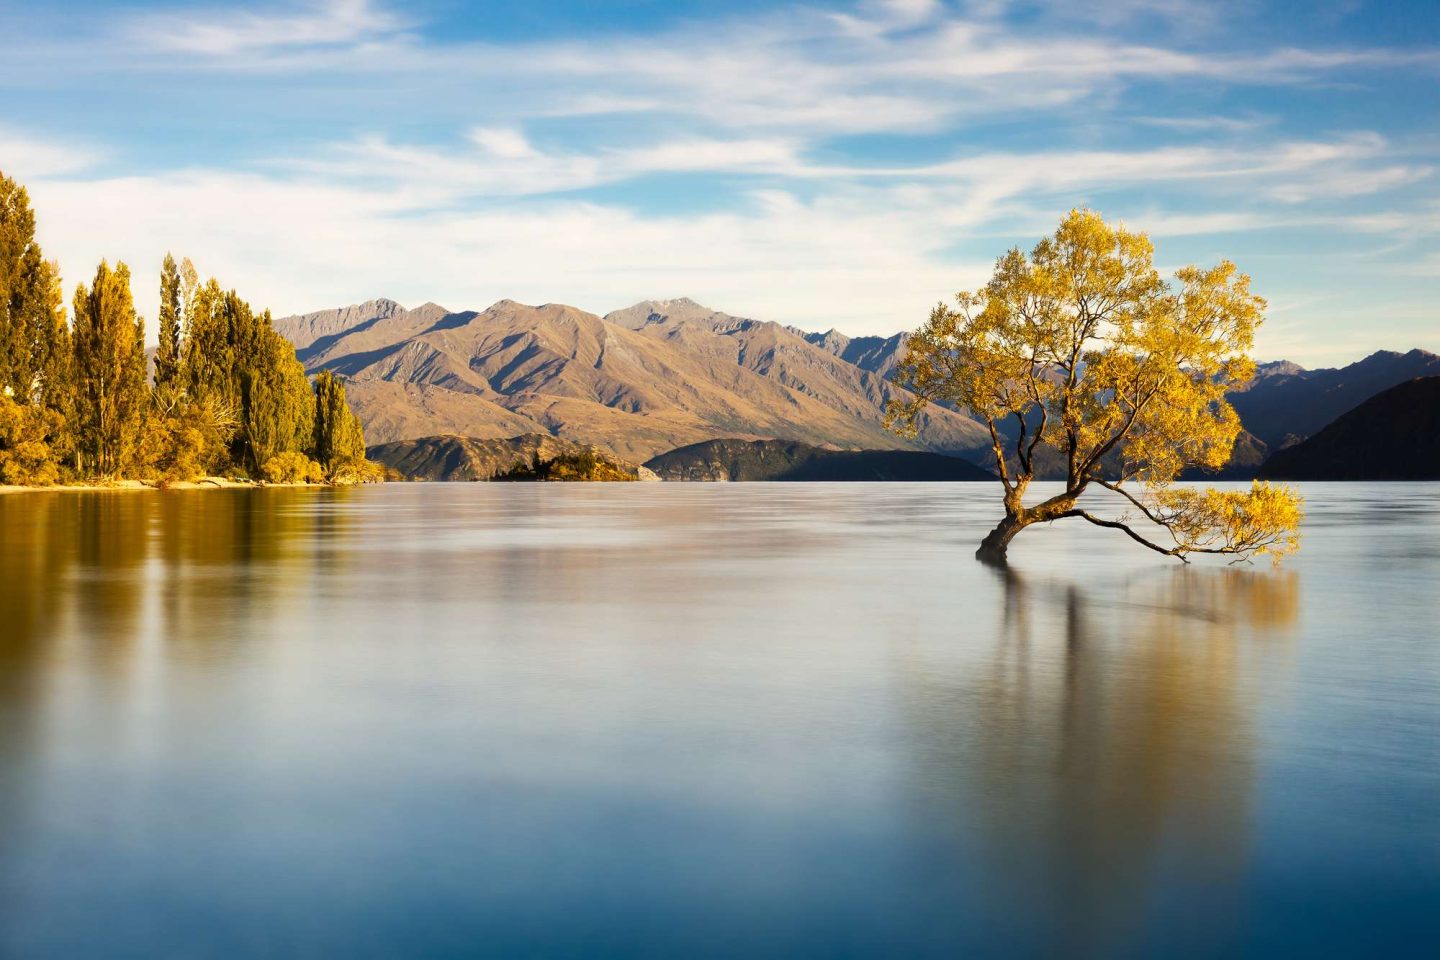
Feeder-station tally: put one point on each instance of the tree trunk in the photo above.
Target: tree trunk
(993, 547)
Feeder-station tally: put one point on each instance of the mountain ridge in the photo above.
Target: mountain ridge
(1394, 435)
(666, 373)
(640, 381)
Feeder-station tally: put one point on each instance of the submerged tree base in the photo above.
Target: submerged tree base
(993, 550)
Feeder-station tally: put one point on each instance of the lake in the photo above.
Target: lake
(760, 720)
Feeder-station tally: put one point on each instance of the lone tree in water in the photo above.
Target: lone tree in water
(1085, 364)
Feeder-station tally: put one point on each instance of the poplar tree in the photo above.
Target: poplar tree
(32, 314)
(229, 391)
(53, 350)
(279, 406)
(111, 393)
(167, 354)
(19, 258)
(34, 349)
(339, 438)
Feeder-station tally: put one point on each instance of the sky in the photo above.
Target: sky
(824, 165)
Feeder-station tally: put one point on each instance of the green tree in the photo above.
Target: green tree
(33, 334)
(1119, 375)
(167, 353)
(52, 348)
(339, 438)
(279, 407)
(110, 389)
(20, 261)
(35, 349)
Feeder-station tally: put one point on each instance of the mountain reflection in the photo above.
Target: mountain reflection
(1106, 749)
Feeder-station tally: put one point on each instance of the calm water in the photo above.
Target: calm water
(707, 720)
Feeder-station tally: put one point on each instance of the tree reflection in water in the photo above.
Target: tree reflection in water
(1105, 753)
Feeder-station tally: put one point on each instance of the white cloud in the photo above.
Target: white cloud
(24, 157)
(806, 233)
(1351, 182)
(1236, 125)
(503, 162)
(902, 65)
(227, 33)
(299, 245)
(867, 254)
(504, 143)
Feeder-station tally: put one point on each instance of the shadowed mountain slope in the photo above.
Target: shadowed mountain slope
(1285, 402)
(876, 354)
(741, 460)
(466, 458)
(1394, 435)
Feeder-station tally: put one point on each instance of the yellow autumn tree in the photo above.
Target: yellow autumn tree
(1080, 356)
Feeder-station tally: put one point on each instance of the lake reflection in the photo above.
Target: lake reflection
(682, 720)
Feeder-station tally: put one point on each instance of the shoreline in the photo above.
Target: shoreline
(129, 486)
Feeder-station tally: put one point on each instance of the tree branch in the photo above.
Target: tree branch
(999, 449)
(1117, 525)
(1149, 514)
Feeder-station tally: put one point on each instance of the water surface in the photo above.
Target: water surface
(707, 720)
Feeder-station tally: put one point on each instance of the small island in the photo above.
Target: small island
(585, 466)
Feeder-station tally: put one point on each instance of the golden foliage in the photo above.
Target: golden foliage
(26, 455)
(229, 393)
(1261, 521)
(355, 469)
(1081, 351)
(292, 467)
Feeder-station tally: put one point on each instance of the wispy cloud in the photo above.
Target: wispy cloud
(867, 254)
(882, 66)
(835, 166)
(1207, 125)
(224, 32)
(502, 162)
(25, 156)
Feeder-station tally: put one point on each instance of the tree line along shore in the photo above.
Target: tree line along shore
(79, 404)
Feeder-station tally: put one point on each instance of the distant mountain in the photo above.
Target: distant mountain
(1246, 457)
(667, 373)
(742, 460)
(1286, 402)
(1394, 435)
(879, 355)
(650, 378)
(1282, 405)
(305, 331)
(448, 458)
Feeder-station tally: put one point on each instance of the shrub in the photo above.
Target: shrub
(355, 470)
(292, 467)
(26, 458)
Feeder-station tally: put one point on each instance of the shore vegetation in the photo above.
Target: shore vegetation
(82, 399)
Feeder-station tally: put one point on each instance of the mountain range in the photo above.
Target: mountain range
(640, 381)
(665, 374)
(1394, 435)
(1285, 402)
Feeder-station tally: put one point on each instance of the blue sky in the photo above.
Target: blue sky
(822, 165)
